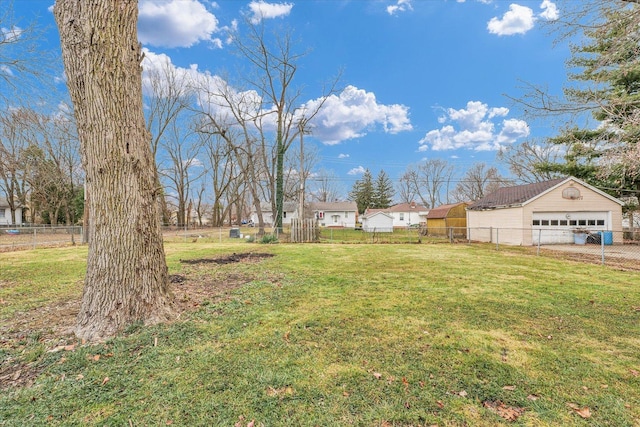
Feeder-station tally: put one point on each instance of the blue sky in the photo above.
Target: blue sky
(420, 79)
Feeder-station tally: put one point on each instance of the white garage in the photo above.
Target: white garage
(560, 227)
(550, 212)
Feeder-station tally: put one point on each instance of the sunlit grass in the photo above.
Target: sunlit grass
(349, 335)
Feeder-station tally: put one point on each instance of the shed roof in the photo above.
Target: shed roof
(369, 215)
(400, 207)
(443, 210)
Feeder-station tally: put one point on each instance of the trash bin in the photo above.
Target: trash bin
(607, 236)
(234, 233)
(580, 238)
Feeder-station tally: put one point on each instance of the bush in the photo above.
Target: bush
(269, 238)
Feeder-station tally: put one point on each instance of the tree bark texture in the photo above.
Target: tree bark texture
(126, 279)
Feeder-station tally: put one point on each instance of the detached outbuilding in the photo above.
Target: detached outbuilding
(377, 222)
(447, 220)
(549, 212)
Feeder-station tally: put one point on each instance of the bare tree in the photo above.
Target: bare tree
(25, 68)
(478, 182)
(126, 279)
(325, 187)
(428, 180)
(527, 161)
(234, 117)
(18, 133)
(405, 188)
(221, 173)
(169, 94)
(182, 147)
(275, 66)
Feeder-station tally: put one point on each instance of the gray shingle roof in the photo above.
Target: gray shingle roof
(512, 196)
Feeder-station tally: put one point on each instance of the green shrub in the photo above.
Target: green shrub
(269, 238)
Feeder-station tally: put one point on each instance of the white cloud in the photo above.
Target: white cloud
(343, 156)
(262, 10)
(10, 35)
(175, 23)
(518, 20)
(353, 113)
(357, 171)
(400, 6)
(4, 69)
(472, 128)
(549, 10)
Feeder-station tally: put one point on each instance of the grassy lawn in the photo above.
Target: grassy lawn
(332, 335)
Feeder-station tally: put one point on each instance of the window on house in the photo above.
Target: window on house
(284, 214)
(554, 222)
(573, 222)
(544, 222)
(591, 222)
(601, 222)
(401, 217)
(2, 213)
(582, 222)
(536, 222)
(563, 222)
(346, 215)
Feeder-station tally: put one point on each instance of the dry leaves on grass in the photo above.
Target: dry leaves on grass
(509, 413)
(583, 412)
(282, 391)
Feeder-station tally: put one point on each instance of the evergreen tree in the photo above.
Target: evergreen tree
(383, 191)
(608, 85)
(363, 192)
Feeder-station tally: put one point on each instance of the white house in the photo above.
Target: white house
(404, 214)
(377, 222)
(5, 214)
(290, 211)
(335, 214)
(548, 212)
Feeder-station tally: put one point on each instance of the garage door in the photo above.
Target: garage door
(558, 227)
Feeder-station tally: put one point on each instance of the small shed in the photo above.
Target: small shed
(377, 222)
(445, 219)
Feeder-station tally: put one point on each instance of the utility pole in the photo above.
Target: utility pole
(302, 177)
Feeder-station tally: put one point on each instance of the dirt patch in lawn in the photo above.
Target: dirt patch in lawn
(51, 326)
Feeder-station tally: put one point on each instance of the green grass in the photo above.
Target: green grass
(333, 335)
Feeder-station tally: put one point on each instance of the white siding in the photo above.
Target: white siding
(6, 218)
(379, 223)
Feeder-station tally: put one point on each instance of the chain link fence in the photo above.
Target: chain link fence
(23, 237)
(608, 247)
(619, 248)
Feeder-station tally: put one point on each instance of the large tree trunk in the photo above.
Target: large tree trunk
(126, 279)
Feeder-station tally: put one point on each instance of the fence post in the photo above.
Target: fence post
(602, 245)
(539, 239)
(35, 239)
(497, 239)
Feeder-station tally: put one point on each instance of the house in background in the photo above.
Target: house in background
(445, 219)
(404, 214)
(5, 214)
(546, 212)
(377, 222)
(290, 211)
(335, 214)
